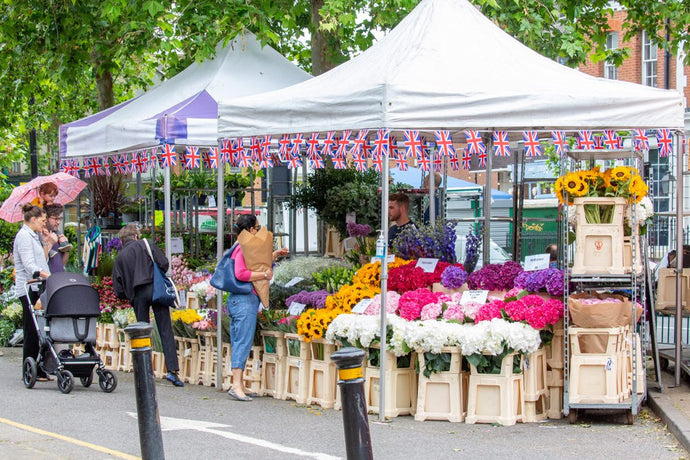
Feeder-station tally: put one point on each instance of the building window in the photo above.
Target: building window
(648, 60)
(16, 167)
(610, 70)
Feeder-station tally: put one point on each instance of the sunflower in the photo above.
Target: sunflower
(620, 174)
(637, 188)
(574, 185)
(558, 188)
(591, 175)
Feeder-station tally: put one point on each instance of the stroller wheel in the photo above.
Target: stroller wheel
(29, 371)
(87, 381)
(107, 381)
(65, 381)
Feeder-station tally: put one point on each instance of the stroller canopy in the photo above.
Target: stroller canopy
(70, 294)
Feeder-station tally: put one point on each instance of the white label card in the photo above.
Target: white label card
(390, 258)
(361, 306)
(211, 201)
(427, 264)
(296, 308)
(176, 246)
(474, 297)
(294, 281)
(537, 262)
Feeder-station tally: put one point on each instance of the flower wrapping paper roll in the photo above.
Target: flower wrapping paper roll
(257, 250)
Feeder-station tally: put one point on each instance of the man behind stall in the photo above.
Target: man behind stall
(398, 212)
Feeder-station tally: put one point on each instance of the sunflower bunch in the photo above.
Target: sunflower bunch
(349, 295)
(312, 324)
(370, 274)
(621, 181)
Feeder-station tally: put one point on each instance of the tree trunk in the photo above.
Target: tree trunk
(322, 43)
(104, 84)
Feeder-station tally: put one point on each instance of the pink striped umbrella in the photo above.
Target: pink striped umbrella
(68, 189)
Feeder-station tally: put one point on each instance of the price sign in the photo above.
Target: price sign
(374, 259)
(474, 297)
(361, 306)
(176, 246)
(537, 262)
(296, 308)
(294, 281)
(390, 258)
(427, 264)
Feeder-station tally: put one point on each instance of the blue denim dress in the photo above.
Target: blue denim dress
(243, 310)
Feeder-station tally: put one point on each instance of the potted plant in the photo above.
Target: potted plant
(107, 195)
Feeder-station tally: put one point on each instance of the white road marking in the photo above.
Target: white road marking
(171, 424)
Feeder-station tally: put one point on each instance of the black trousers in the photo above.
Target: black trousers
(141, 303)
(30, 343)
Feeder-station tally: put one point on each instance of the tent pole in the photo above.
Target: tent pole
(486, 241)
(220, 206)
(384, 288)
(432, 185)
(305, 217)
(679, 256)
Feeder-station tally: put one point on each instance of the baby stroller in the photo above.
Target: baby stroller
(66, 314)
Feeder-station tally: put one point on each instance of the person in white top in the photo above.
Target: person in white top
(29, 258)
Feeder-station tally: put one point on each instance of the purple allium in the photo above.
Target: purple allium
(113, 245)
(358, 230)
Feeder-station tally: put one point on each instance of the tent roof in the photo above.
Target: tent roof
(183, 109)
(446, 66)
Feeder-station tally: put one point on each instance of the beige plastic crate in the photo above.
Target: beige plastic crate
(496, 398)
(401, 387)
(273, 365)
(666, 289)
(536, 411)
(534, 371)
(296, 382)
(441, 395)
(322, 375)
(599, 247)
(555, 410)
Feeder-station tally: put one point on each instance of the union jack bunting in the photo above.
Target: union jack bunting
(359, 142)
(120, 164)
(412, 143)
(641, 140)
(151, 155)
(360, 162)
(316, 161)
(105, 164)
(266, 146)
(168, 156)
(293, 160)
(501, 144)
(532, 147)
(423, 162)
(89, 167)
(664, 142)
(225, 151)
(560, 142)
(328, 144)
(339, 162)
(377, 161)
(343, 143)
(611, 139)
(466, 158)
(192, 159)
(444, 143)
(313, 145)
(246, 158)
(454, 161)
(398, 155)
(382, 143)
(598, 142)
(211, 158)
(424, 147)
(66, 167)
(75, 166)
(297, 142)
(366, 150)
(266, 158)
(139, 164)
(236, 150)
(438, 163)
(284, 145)
(584, 140)
(475, 144)
(255, 149)
(99, 168)
(482, 158)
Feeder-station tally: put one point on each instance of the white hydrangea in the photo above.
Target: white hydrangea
(644, 211)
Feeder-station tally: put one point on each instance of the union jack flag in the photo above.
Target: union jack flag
(611, 139)
(475, 144)
(382, 143)
(466, 158)
(151, 155)
(585, 141)
(89, 167)
(598, 142)
(664, 142)
(423, 162)
(377, 160)
(482, 158)
(444, 143)
(339, 162)
(343, 144)
(246, 159)
(192, 159)
(211, 158)
(66, 167)
(641, 140)
(255, 149)
(313, 145)
(328, 144)
(76, 167)
(297, 142)
(225, 151)
(316, 161)
(120, 164)
(266, 158)
(438, 163)
(284, 145)
(532, 147)
(236, 150)
(102, 166)
(412, 143)
(360, 162)
(359, 142)
(366, 150)
(293, 161)
(168, 156)
(398, 155)
(266, 146)
(501, 144)
(560, 142)
(454, 161)
(139, 163)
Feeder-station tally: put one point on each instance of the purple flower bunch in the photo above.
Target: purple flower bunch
(358, 230)
(549, 280)
(113, 245)
(453, 277)
(488, 277)
(426, 241)
(509, 271)
(472, 243)
(314, 299)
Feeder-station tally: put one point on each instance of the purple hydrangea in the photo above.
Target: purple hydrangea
(549, 279)
(509, 271)
(453, 277)
(488, 277)
(315, 299)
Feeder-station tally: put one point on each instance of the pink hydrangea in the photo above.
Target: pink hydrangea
(512, 293)
(412, 302)
(516, 310)
(470, 309)
(374, 308)
(454, 311)
(490, 311)
(431, 311)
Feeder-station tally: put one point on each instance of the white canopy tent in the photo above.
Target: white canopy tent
(446, 66)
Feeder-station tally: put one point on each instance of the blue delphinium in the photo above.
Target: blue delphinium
(472, 243)
(425, 241)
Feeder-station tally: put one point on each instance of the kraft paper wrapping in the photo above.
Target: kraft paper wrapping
(257, 250)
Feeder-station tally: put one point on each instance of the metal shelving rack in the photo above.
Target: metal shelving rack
(636, 283)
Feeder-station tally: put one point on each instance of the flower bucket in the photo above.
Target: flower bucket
(322, 374)
(400, 381)
(497, 398)
(598, 244)
(441, 395)
(273, 361)
(298, 359)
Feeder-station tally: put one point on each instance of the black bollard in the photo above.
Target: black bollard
(355, 419)
(150, 437)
